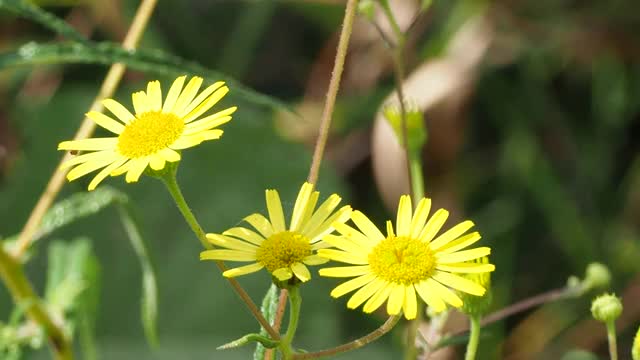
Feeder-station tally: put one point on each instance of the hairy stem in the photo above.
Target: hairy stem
(611, 336)
(294, 315)
(24, 296)
(356, 344)
(169, 179)
(108, 87)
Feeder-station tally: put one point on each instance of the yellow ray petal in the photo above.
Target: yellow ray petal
(403, 219)
(345, 244)
(378, 299)
(173, 94)
(451, 234)
(169, 155)
(283, 274)
(227, 255)
(154, 95)
(140, 102)
(89, 157)
(326, 227)
(396, 299)
(93, 144)
(321, 214)
(118, 110)
(410, 304)
(104, 173)
(467, 268)
(231, 243)
(433, 225)
(460, 243)
(419, 217)
(300, 206)
(462, 256)
(354, 235)
(367, 227)
(84, 169)
(274, 207)
(106, 122)
(206, 105)
(459, 283)
(390, 231)
(136, 169)
(345, 271)
(260, 223)
(243, 270)
(429, 295)
(245, 234)
(344, 257)
(315, 260)
(187, 95)
(364, 293)
(445, 293)
(156, 162)
(301, 272)
(349, 286)
(308, 210)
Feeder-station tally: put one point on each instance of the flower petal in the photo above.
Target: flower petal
(227, 255)
(344, 257)
(187, 96)
(345, 271)
(106, 122)
(445, 293)
(245, 234)
(364, 293)
(87, 167)
(118, 110)
(419, 217)
(433, 225)
(403, 219)
(173, 94)
(136, 169)
(460, 243)
(230, 243)
(314, 260)
(467, 268)
(274, 206)
(300, 206)
(396, 299)
(283, 274)
(301, 271)
(243, 270)
(140, 102)
(206, 105)
(462, 256)
(261, 224)
(410, 304)
(89, 157)
(322, 213)
(378, 298)
(104, 173)
(92, 144)
(429, 295)
(154, 95)
(349, 286)
(169, 155)
(156, 162)
(451, 234)
(367, 227)
(459, 283)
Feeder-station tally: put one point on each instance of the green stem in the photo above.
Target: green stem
(23, 295)
(474, 338)
(611, 335)
(355, 344)
(415, 169)
(295, 300)
(168, 177)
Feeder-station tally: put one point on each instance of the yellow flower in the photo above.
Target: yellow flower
(153, 135)
(282, 251)
(395, 267)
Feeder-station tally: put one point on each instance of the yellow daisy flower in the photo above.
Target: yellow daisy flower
(397, 266)
(152, 136)
(283, 251)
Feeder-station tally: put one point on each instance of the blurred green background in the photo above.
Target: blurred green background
(533, 138)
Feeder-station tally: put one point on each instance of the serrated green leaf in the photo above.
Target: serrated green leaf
(150, 61)
(32, 12)
(149, 303)
(77, 206)
(268, 308)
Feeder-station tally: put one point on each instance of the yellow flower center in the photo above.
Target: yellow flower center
(402, 260)
(282, 250)
(149, 133)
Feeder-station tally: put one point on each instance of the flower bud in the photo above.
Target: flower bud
(477, 305)
(606, 308)
(416, 131)
(367, 9)
(597, 276)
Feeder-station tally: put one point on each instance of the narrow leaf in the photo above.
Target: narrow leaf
(32, 12)
(260, 339)
(151, 61)
(149, 304)
(268, 308)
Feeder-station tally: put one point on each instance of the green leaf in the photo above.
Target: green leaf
(151, 61)
(66, 278)
(78, 206)
(260, 339)
(32, 12)
(88, 309)
(149, 304)
(268, 308)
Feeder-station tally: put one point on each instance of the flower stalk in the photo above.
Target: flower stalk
(474, 337)
(295, 301)
(168, 177)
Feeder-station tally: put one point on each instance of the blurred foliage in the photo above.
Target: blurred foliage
(547, 165)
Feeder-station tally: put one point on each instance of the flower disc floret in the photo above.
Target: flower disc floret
(149, 133)
(402, 260)
(282, 250)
